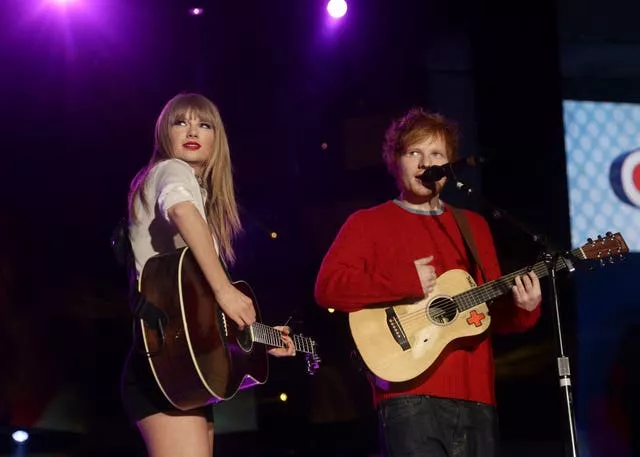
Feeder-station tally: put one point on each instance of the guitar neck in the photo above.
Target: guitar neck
(503, 285)
(273, 337)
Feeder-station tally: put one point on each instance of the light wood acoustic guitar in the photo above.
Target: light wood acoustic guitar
(398, 343)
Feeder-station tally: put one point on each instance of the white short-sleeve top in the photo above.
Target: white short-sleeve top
(151, 231)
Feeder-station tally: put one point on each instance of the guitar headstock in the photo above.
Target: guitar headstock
(610, 246)
(313, 363)
(312, 359)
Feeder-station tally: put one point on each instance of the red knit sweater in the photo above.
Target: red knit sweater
(372, 260)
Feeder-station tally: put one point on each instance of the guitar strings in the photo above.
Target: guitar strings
(471, 297)
(474, 297)
(273, 337)
(495, 288)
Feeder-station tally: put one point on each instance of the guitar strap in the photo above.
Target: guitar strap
(140, 307)
(123, 252)
(470, 244)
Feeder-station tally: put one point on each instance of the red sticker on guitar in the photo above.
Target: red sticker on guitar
(475, 318)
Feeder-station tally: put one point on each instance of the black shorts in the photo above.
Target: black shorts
(141, 396)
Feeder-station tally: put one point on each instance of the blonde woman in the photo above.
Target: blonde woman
(184, 196)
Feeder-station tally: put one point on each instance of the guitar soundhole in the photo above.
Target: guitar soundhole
(244, 339)
(442, 311)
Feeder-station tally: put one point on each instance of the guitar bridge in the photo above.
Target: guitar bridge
(393, 322)
(222, 324)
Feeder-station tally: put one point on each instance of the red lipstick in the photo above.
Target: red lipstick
(193, 145)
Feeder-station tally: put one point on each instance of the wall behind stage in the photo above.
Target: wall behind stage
(603, 176)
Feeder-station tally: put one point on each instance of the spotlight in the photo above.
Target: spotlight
(196, 11)
(337, 8)
(284, 397)
(20, 436)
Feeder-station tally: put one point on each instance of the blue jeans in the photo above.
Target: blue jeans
(417, 425)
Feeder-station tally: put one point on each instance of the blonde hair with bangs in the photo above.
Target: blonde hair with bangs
(217, 177)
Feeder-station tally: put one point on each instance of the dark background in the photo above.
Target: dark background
(82, 87)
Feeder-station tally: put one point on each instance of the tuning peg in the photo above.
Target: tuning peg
(590, 240)
(609, 234)
(313, 363)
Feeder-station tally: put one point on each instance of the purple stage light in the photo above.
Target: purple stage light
(337, 8)
(196, 11)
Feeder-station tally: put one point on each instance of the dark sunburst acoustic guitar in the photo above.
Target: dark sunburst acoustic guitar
(198, 355)
(398, 343)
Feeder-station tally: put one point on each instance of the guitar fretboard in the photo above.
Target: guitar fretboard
(501, 286)
(272, 337)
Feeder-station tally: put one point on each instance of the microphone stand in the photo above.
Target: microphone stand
(551, 257)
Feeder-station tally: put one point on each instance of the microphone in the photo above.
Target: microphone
(437, 172)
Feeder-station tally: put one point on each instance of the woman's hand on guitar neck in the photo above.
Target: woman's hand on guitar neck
(236, 305)
(289, 349)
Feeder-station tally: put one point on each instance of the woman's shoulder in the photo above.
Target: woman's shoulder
(171, 170)
(173, 164)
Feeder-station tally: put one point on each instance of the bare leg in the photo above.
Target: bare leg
(177, 435)
(210, 430)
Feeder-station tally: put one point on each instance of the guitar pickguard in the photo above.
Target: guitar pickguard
(423, 340)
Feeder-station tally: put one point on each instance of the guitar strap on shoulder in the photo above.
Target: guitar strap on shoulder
(140, 307)
(470, 244)
(123, 252)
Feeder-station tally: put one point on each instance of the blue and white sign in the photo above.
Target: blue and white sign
(602, 142)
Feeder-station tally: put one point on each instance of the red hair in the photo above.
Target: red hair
(411, 128)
